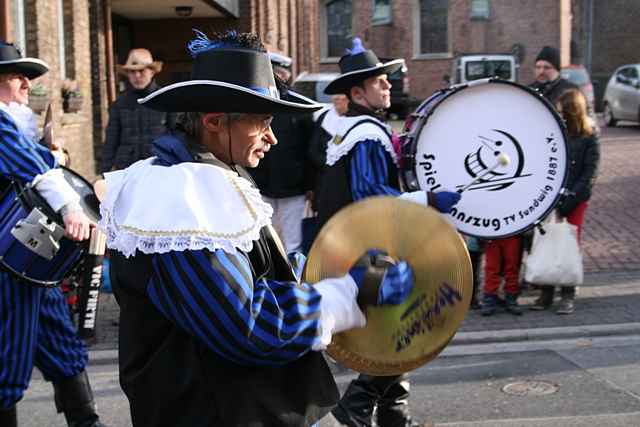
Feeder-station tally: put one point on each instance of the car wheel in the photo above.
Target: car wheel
(609, 120)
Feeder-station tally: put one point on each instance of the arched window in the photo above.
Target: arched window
(337, 27)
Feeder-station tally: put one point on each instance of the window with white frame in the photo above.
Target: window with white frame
(480, 9)
(433, 27)
(337, 27)
(19, 26)
(381, 12)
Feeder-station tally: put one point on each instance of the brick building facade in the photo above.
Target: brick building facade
(465, 26)
(84, 40)
(58, 32)
(605, 36)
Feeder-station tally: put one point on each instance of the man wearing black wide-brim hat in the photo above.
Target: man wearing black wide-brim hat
(215, 328)
(35, 323)
(362, 162)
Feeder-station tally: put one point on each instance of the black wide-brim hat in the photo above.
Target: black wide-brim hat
(229, 80)
(11, 61)
(357, 68)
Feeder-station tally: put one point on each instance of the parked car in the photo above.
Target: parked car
(622, 95)
(579, 76)
(312, 85)
(469, 67)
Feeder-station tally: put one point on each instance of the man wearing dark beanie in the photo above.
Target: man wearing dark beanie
(548, 81)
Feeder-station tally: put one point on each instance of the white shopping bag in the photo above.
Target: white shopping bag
(555, 257)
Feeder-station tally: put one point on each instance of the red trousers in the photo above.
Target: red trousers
(502, 257)
(576, 217)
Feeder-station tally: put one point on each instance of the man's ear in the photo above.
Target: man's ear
(356, 92)
(213, 122)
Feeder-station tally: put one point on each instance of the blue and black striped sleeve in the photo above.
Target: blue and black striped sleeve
(21, 158)
(370, 171)
(213, 297)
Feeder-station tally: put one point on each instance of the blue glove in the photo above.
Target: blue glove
(381, 280)
(443, 201)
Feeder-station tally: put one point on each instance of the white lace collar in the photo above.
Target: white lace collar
(24, 118)
(188, 206)
(371, 129)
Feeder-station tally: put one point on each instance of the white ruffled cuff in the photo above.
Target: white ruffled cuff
(419, 197)
(52, 186)
(339, 310)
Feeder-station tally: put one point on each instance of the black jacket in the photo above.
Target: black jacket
(584, 157)
(285, 170)
(553, 90)
(131, 129)
(173, 380)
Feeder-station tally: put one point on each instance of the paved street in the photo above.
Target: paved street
(612, 228)
(592, 357)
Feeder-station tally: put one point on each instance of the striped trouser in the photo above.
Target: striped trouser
(35, 329)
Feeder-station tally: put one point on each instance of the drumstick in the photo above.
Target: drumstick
(503, 160)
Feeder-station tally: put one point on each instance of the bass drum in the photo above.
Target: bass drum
(459, 135)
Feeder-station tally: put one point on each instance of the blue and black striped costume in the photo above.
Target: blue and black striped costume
(35, 326)
(219, 338)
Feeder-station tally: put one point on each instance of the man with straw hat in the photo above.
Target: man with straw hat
(361, 162)
(131, 126)
(35, 324)
(215, 327)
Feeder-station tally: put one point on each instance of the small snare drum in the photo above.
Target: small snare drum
(32, 242)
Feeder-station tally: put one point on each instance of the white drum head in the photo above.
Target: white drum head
(465, 136)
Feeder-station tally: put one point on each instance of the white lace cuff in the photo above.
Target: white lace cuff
(339, 310)
(55, 189)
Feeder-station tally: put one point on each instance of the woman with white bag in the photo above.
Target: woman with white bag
(584, 156)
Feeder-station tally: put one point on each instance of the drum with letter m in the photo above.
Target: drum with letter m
(500, 143)
(32, 243)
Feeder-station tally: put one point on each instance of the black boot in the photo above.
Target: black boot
(512, 306)
(393, 405)
(8, 417)
(73, 396)
(489, 305)
(476, 258)
(545, 299)
(355, 408)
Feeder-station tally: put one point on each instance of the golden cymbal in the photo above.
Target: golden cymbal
(403, 337)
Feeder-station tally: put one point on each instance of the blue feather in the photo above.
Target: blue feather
(356, 47)
(202, 43)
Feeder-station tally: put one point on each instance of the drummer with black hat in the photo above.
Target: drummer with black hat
(36, 326)
(361, 162)
(215, 328)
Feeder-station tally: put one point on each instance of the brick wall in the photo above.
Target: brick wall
(531, 24)
(43, 42)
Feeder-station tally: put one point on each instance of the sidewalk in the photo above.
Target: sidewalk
(607, 305)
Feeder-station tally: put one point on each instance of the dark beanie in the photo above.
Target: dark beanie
(551, 55)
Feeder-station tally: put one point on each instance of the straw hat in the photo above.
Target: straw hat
(139, 59)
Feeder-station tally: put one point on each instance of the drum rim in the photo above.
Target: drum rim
(450, 91)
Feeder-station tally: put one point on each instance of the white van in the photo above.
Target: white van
(479, 66)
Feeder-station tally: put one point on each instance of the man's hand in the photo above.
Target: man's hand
(443, 201)
(381, 280)
(77, 225)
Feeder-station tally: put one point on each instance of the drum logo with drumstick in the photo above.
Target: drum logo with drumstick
(487, 165)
